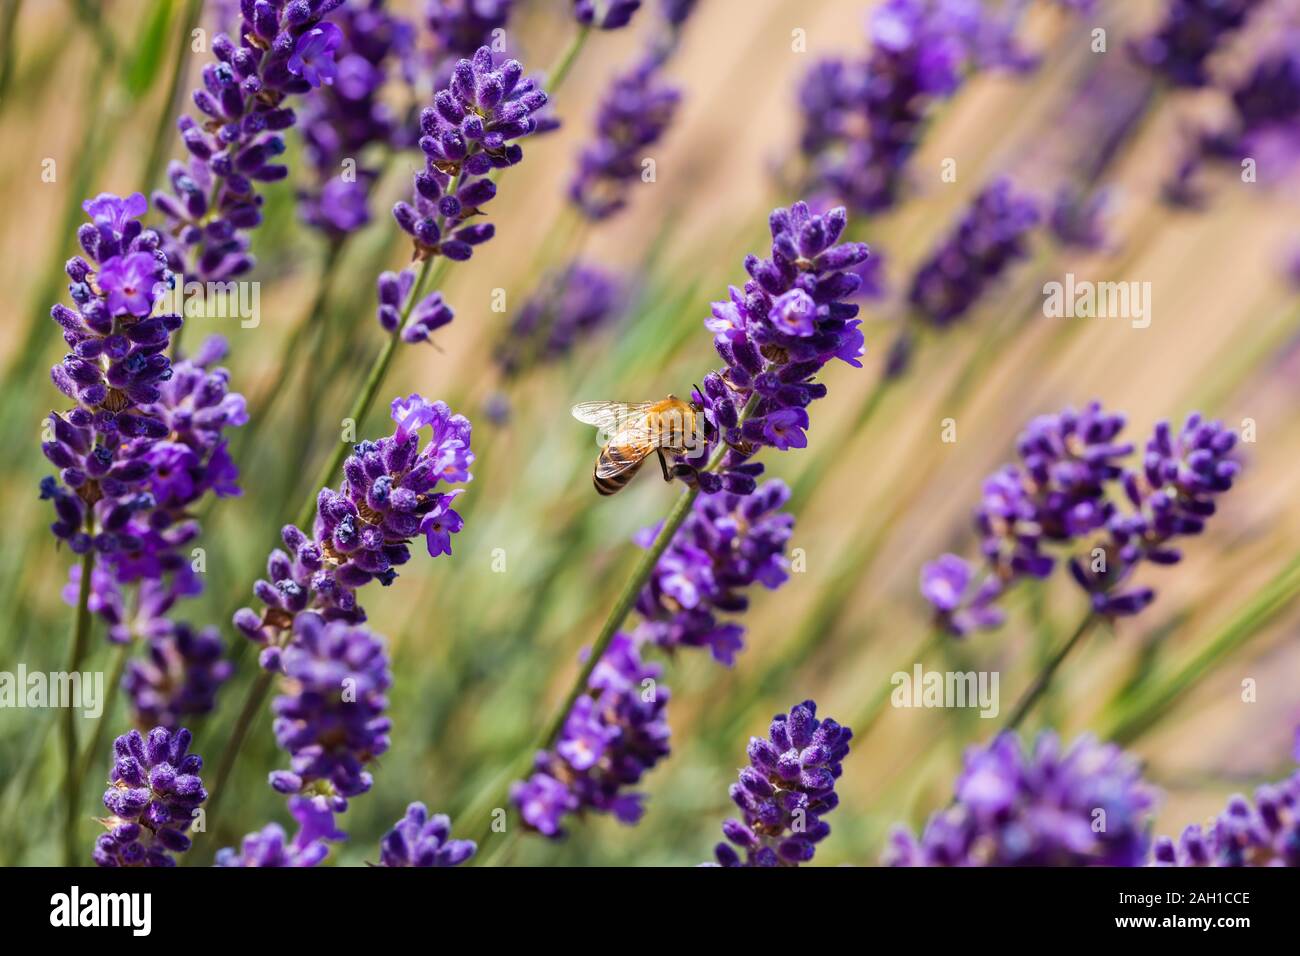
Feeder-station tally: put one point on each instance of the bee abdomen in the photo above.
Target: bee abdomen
(616, 482)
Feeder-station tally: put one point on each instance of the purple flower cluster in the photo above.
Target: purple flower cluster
(1066, 492)
(785, 791)
(285, 49)
(863, 118)
(1192, 31)
(462, 26)
(991, 236)
(632, 116)
(569, 304)
(331, 717)
(605, 14)
(427, 316)
(1086, 806)
(342, 120)
(361, 533)
(1266, 833)
(775, 335)
(180, 674)
(154, 789)
(726, 545)
(271, 847)
(1265, 123)
(1077, 218)
(614, 734)
(466, 135)
(145, 441)
(422, 840)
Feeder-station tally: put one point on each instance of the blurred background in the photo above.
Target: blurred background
(482, 656)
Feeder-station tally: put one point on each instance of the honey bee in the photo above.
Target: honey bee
(637, 431)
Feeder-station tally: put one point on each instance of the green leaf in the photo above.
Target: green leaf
(143, 67)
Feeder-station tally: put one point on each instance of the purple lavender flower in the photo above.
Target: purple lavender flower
(271, 847)
(342, 120)
(614, 734)
(390, 494)
(285, 49)
(144, 441)
(462, 26)
(180, 674)
(990, 236)
(785, 791)
(727, 544)
(1265, 124)
(1192, 31)
(154, 790)
(1086, 806)
(1265, 833)
(146, 616)
(775, 335)
(605, 14)
(1077, 218)
(331, 719)
(421, 840)
(863, 118)
(677, 12)
(570, 304)
(1065, 495)
(632, 116)
(1175, 492)
(466, 134)
(427, 316)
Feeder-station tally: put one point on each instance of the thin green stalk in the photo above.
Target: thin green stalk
(72, 765)
(555, 78)
(1279, 594)
(366, 397)
(8, 32)
(172, 102)
(91, 753)
(1044, 678)
(252, 706)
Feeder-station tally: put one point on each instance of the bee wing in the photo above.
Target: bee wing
(610, 417)
(625, 452)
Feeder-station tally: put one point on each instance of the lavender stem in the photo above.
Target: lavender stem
(72, 776)
(1044, 678)
(92, 752)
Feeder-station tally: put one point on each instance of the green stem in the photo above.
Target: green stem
(172, 103)
(72, 775)
(9, 29)
(555, 78)
(618, 614)
(366, 397)
(1044, 678)
(91, 753)
(252, 706)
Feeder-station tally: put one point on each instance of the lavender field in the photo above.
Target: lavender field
(943, 358)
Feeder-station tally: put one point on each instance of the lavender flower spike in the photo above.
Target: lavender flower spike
(269, 847)
(632, 116)
(614, 734)
(467, 133)
(421, 840)
(1084, 806)
(775, 335)
(605, 14)
(1265, 833)
(154, 791)
(331, 719)
(727, 544)
(285, 48)
(1072, 493)
(391, 493)
(462, 26)
(1192, 31)
(785, 791)
(342, 120)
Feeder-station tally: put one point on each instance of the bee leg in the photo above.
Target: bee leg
(663, 464)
